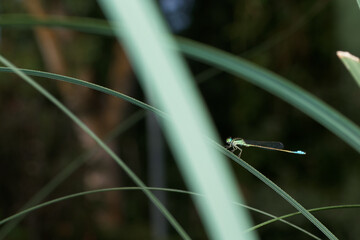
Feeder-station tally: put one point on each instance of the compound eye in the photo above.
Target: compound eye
(229, 140)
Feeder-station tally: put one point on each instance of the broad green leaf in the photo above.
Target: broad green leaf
(167, 82)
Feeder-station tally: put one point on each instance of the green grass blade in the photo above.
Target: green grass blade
(67, 171)
(271, 82)
(143, 105)
(138, 103)
(111, 153)
(167, 82)
(334, 121)
(87, 25)
(274, 218)
(68, 197)
(278, 190)
(114, 93)
(352, 64)
(297, 213)
(89, 85)
(277, 85)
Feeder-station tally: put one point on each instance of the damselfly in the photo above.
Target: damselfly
(236, 143)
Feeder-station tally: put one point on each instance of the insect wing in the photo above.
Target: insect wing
(266, 144)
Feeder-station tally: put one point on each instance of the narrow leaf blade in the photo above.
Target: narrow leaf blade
(352, 64)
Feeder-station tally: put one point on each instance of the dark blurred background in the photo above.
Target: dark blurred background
(297, 40)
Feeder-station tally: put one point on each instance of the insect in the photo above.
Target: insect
(235, 144)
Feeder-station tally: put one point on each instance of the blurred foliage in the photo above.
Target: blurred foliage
(297, 40)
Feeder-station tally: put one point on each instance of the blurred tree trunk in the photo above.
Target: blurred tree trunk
(101, 117)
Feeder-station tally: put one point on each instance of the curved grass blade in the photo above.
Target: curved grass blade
(68, 197)
(89, 85)
(143, 105)
(352, 64)
(297, 213)
(333, 118)
(86, 25)
(67, 171)
(278, 190)
(279, 86)
(111, 153)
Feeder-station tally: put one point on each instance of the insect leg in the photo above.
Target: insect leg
(240, 152)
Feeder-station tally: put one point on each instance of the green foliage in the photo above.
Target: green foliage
(352, 64)
(101, 143)
(259, 76)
